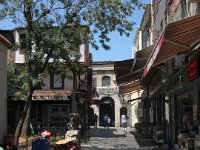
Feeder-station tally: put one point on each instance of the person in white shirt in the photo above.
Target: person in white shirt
(124, 122)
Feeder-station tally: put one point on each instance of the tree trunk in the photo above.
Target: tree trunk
(22, 118)
(26, 127)
(28, 18)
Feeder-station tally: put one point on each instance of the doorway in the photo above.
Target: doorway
(107, 106)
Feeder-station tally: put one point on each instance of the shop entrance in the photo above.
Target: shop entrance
(107, 106)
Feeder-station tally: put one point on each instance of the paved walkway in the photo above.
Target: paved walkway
(115, 138)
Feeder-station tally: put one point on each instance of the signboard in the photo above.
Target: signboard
(193, 69)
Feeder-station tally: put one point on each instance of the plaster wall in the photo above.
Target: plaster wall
(3, 91)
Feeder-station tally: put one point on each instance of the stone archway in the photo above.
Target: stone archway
(123, 110)
(107, 106)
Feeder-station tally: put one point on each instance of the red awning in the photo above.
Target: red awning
(177, 38)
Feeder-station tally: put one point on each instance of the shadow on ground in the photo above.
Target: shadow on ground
(105, 133)
(143, 142)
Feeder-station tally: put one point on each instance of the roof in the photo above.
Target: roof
(141, 58)
(122, 68)
(177, 38)
(131, 70)
(7, 37)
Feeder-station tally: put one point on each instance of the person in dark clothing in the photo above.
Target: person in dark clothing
(105, 121)
(95, 120)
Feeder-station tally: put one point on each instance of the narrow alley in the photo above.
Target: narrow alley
(116, 138)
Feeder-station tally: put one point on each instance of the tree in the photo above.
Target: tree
(53, 30)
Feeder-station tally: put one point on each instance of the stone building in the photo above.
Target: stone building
(107, 100)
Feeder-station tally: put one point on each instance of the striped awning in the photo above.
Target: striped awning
(177, 38)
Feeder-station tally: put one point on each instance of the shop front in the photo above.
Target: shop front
(183, 90)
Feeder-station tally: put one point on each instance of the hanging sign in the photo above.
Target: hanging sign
(193, 69)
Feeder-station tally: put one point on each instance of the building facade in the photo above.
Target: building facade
(107, 100)
(170, 78)
(57, 98)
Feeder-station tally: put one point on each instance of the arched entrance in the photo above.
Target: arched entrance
(123, 110)
(90, 116)
(107, 106)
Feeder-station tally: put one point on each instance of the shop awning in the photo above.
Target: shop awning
(51, 94)
(127, 88)
(177, 38)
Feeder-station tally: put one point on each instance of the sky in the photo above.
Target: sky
(121, 46)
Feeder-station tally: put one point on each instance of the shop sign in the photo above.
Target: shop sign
(193, 69)
(50, 97)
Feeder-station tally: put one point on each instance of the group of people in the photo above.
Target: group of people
(107, 121)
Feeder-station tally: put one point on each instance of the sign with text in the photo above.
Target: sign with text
(193, 69)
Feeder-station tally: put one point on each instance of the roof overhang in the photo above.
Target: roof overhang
(51, 95)
(177, 38)
(127, 88)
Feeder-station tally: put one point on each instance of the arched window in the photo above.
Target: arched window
(106, 81)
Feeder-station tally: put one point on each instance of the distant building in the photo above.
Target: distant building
(108, 101)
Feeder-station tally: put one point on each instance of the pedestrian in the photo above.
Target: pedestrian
(105, 121)
(187, 122)
(95, 120)
(124, 122)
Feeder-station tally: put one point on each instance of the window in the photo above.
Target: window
(57, 81)
(22, 41)
(106, 81)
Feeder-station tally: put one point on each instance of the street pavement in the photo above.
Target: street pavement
(115, 138)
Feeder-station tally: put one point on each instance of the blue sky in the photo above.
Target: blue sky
(121, 46)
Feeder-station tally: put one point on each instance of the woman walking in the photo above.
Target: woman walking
(124, 122)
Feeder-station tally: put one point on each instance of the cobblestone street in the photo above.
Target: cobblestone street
(116, 138)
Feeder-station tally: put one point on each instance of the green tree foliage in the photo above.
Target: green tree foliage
(54, 29)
